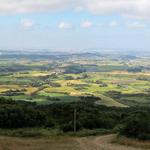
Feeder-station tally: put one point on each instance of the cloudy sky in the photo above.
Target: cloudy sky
(74, 24)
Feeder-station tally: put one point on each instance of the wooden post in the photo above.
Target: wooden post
(75, 120)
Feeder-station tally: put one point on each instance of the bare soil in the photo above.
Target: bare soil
(62, 143)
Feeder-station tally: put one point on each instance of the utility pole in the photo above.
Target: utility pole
(75, 119)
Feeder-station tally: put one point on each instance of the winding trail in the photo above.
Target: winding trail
(101, 143)
(62, 143)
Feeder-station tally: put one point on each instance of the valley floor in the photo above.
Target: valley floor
(62, 143)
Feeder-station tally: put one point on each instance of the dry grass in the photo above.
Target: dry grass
(59, 143)
(131, 142)
(68, 143)
(31, 90)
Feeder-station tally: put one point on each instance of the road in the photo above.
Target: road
(62, 143)
(101, 143)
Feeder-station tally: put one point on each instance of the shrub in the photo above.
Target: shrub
(137, 126)
(70, 126)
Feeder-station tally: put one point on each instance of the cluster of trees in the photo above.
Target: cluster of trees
(143, 78)
(101, 84)
(18, 67)
(76, 69)
(19, 114)
(118, 95)
(82, 76)
(132, 122)
(54, 84)
(69, 78)
(137, 126)
(42, 81)
(14, 92)
(89, 99)
(134, 69)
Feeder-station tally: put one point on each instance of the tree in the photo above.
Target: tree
(137, 126)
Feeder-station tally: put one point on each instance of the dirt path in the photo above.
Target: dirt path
(61, 143)
(101, 143)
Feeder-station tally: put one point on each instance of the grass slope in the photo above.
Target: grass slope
(109, 102)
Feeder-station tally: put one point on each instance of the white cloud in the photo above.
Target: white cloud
(136, 25)
(65, 25)
(86, 24)
(27, 24)
(128, 8)
(113, 24)
(27, 6)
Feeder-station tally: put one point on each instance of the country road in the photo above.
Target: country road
(62, 143)
(101, 143)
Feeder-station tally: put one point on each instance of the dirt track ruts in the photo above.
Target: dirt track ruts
(102, 143)
(62, 143)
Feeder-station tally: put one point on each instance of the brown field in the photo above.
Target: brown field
(65, 143)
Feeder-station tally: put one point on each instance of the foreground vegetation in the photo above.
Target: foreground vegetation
(69, 143)
(58, 119)
(130, 142)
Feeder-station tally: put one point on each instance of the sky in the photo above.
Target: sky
(75, 24)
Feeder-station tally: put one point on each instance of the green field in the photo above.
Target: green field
(115, 80)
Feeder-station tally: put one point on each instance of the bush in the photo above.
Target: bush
(137, 126)
(76, 69)
(13, 116)
(70, 126)
(69, 78)
(91, 122)
(50, 123)
(87, 132)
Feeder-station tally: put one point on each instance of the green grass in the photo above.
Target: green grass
(29, 132)
(109, 102)
(48, 132)
(62, 97)
(70, 90)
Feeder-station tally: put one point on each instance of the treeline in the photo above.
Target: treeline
(132, 122)
(18, 67)
(77, 68)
